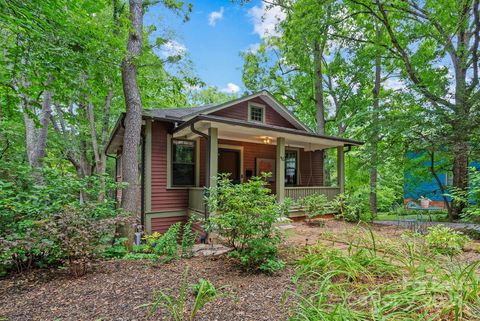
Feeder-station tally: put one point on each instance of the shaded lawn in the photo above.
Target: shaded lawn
(422, 215)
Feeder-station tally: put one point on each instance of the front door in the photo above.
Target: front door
(229, 162)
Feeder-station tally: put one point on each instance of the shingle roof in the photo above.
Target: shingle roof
(174, 113)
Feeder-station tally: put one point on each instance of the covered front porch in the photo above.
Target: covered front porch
(244, 149)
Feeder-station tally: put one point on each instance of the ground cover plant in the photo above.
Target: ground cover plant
(176, 305)
(381, 279)
(244, 216)
(177, 242)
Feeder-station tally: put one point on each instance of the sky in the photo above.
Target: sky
(213, 38)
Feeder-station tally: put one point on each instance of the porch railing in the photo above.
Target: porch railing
(196, 200)
(299, 192)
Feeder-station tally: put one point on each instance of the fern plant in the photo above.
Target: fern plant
(188, 239)
(167, 244)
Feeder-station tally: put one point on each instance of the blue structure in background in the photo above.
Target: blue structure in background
(415, 187)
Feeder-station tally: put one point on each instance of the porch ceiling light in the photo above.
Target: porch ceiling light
(266, 140)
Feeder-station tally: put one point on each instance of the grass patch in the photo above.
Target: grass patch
(377, 278)
(435, 216)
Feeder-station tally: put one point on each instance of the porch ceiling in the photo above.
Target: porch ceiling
(250, 132)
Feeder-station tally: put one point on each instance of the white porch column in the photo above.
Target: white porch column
(280, 169)
(340, 169)
(213, 152)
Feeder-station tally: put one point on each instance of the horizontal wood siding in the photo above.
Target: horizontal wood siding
(161, 224)
(240, 111)
(164, 199)
(311, 168)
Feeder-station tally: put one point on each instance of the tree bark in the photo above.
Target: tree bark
(318, 49)
(133, 118)
(439, 182)
(375, 134)
(319, 101)
(36, 138)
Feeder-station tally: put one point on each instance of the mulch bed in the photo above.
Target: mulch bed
(116, 289)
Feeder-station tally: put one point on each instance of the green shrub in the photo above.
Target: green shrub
(150, 241)
(46, 225)
(315, 205)
(188, 239)
(167, 244)
(244, 215)
(140, 256)
(445, 240)
(117, 250)
(350, 207)
(471, 198)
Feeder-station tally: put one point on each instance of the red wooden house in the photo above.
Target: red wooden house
(183, 149)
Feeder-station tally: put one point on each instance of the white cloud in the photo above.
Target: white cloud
(215, 16)
(231, 88)
(172, 48)
(394, 84)
(253, 48)
(265, 18)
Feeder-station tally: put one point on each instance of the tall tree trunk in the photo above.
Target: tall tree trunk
(36, 138)
(375, 135)
(461, 136)
(319, 101)
(133, 118)
(318, 49)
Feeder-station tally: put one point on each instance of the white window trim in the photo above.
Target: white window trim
(250, 105)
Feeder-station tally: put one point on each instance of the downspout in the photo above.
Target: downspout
(142, 188)
(116, 175)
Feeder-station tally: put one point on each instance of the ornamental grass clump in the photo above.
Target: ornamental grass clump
(371, 282)
(179, 307)
(244, 216)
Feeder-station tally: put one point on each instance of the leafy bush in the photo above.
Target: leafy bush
(445, 240)
(314, 205)
(46, 224)
(117, 250)
(188, 239)
(350, 207)
(71, 237)
(167, 244)
(244, 215)
(470, 199)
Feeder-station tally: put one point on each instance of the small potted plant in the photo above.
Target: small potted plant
(424, 202)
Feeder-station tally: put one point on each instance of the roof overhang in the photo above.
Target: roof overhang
(232, 129)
